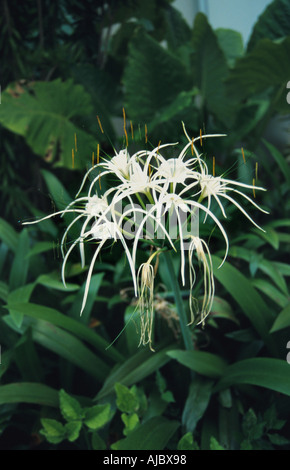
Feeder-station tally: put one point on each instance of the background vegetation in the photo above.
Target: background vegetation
(64, 63)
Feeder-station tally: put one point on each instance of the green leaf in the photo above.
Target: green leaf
(78, 329)
(45, 116)
(69, 406)
(126, 400)
(20, 265)
(222, 309)
(210, 70)
(214, 445)
(29, 392)
(204, 363)
(273, 374)
(187, 442)
(251, 303)
(20, 294)
(280, 160)
(134, 369)
(266, 66)
(97, 442)
(53, 430)
(231, 43)
(196, 403)
(278, 440)
(273, 23)
(97, 416)
(177, 29)
(56, 189)
(67, 346)
(52, 281)
(72, 430)
(8, 235)
(283, 320)
(154, 434)
(268, 289)
(131, 422)
(155, 71)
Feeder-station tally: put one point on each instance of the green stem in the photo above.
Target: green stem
(179, 303)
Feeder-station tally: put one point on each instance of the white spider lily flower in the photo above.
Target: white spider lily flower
(176, 202)
(118, 165)
(201, 249)
(174, 170)
(218, 187)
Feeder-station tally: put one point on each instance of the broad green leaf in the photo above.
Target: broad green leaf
(21, 294)
(187, 442)
(204, 363)
(210, 70)
(214, 444)
(56, 189)
(53, 430)
(231, 43)
(130, 421)
(273, 23)
(259, 262)
(75, 327)
(69, 347)
(97, 442)
(8, 235)
(126, 400)
(177, 29)
(65, 345)
(266, 66)
(53, 281)
(280, 160)
(95, 284)
(273, 374)
(222, 309)
(45, 116)
(155, 71)
(134, 369)
(20, 265)
(249, 300)
(27, 359)
(97, 416)
(283, 319)
(69, 406)
(271, 291)
(29, 392)
(197, 401)
(172, 114)
(72, 430)
(40, 247)
(152, 435)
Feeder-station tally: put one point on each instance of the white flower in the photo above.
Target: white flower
(96, 205)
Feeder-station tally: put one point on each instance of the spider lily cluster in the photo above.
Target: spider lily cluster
(149, 191)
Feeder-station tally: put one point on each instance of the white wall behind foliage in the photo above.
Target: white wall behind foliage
(239, 15)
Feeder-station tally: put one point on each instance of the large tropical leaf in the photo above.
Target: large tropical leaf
(210, 70)
(249, 300)
(273, 23)
(153, 77)
(264, 372)
(266, 67)
(46, 114)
